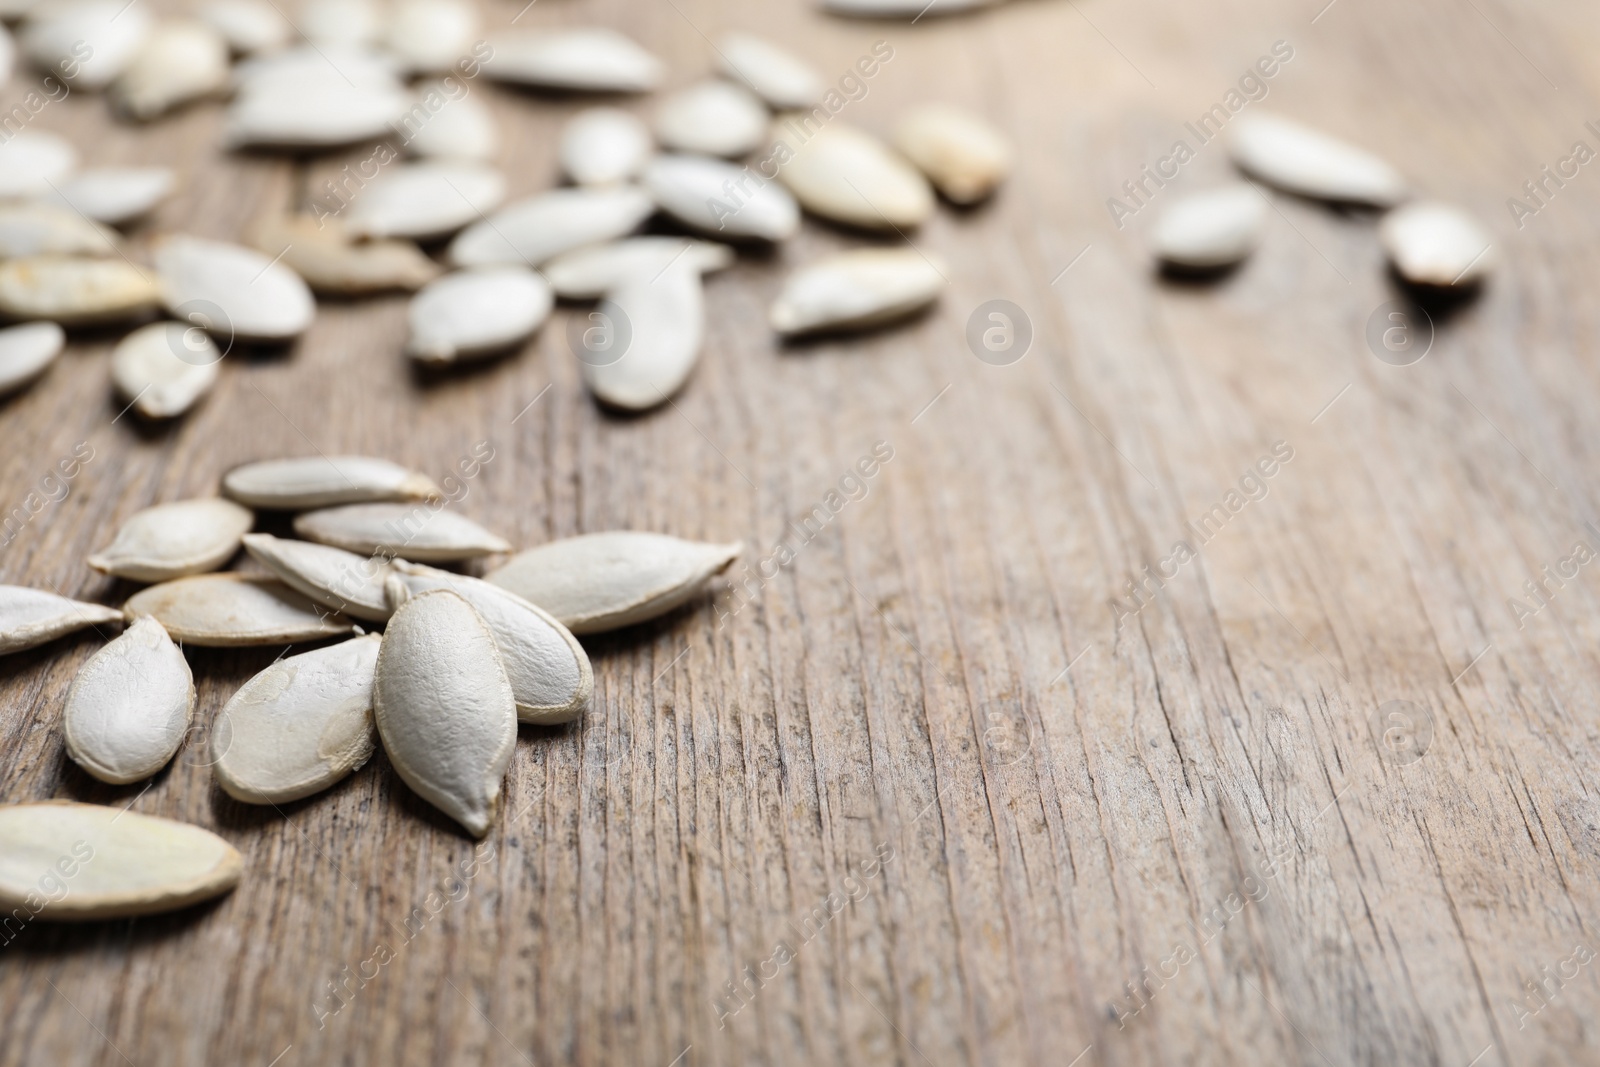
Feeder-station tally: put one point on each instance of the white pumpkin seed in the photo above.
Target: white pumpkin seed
(776, 76)
(594, 60)
(129, 706)
(603, 146)
(1435, 244)
(322, 481)
(426, 200)
(299, 726)
(317, 69)
(115, 195)
(13, 10)
(713, 118)
(857, 290)
(720, 198)
(122, 863)
(181, 60)
(911, 9)
(426, 532)
(604, 581)
(32, 163)
(162, 369)
(340, 22)
(247, 25)
(32, 617)
(26, 352)
(530, 231)
(321, 252)
(444, 124)
(474, 313)
(175, 540)
(8, 54)
(849, 176)
(589, 273)
(260, 300)
(31, 228)
(964, 156)
(75, 291)
(444, 707)
(334, 578)
(317, 98)
(95, 39)
(551, 679)
(1211, 229)
(665, 317)
(1301, 160)
(431, 35)
(235, 610)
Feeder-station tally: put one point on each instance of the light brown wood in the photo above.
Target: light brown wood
(888, 727)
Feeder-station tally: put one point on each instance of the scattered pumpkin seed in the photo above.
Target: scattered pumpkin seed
(130, 706)
(234, 610)
(175, 540)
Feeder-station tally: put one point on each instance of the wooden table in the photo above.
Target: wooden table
(938, 793)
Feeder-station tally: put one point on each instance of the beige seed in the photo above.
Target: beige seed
(551, 679)
(348, 23)
(964, 156)
(163, 369)
(849, 176)
(170, 541)
(115, 195)
(334, 578)
(445, 708)
(713, 118)
(234, 610)
(247, 25)
(33, 163)
(426, 200)
(780, 79)
(299, 726)
(857, 290)
(1211, 229)
(259, 300)
(32, 617)
(323, 481)
(1301, 160)
(316, 98)
(530, 231)
(322, 253)
(588, 273)
(695, 191)
(431, 35)
(94, 39)
(604, 581)
(425, 532)
(656, 325)
(604, 146)
(593, 60)
(1435, 244)
(129, 706)
(444, 124)
(115, 863)
(911, 9)
(75, 291)
(180, 61)
(26, 352)
(43, 229)
(475, 313)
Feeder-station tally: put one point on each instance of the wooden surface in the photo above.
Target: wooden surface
(1008, 847)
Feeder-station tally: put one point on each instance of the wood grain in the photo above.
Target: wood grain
(877, 787)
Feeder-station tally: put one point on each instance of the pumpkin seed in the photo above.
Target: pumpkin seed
(445, 125)
(320, 482)
(721, 198)
(122, 863)
(235, 610)
(427, 533)
(26, 352)
(317, 69)
(666, 319)
(299, 726)
(8, 51)
(587, 273)
(473, 313)
(74, 291)
(912, 9)
(115, 195)
(530, 231)
(32, 617)
(32, 162)
(1435, 244)
(260, 300)
(431, 35)
(321, 252)
(247, 25)
(340, 22)
(181, 60)
(604, 146)
(604, 581)
(175, 540)
(42, 229)
(130, 706)
(314, 98)
(151, 375)
(1301, 160)
(426, 200)
(776, 76)
(849, 176)
(551, 679)
(332, 577)
(856, 290)
(444, 707)
(1211, 229)
(964, 156)
(593, 60)
(713, 118)
(95, 39)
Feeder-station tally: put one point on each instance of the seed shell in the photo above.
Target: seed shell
(773, 74)
(1211, 229)
(115, 195)
(431, 35)
(130, 706)
(713, 118)
(180, 61)
(857, 290)
(849, 176)
(477, 312)
(588, 273)
(94, 39)
(75, 291)
(322, 253)
(32, 617)
(604, 146)
(664, 317)
(1301, 160)
(32, 228)
(964, 156)
(240, 293)
(170, 541)
(323, 481)
(593, 60)
(26, 352)
(425, 532)
(530, 231)
(162, 369)
(235, 610)
(247, 25)
(33, 162)
(444, 124)
(426, 200)
(695, 190)
(334, 578)
(1435, 244)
